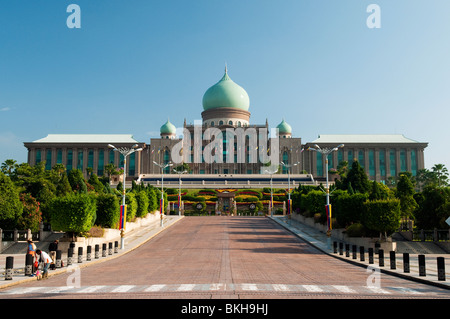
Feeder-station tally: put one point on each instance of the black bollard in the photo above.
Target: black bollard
(110, 248)
(116, 247)
(88, 253)
(406, 262)
(58, 259)
(422, 269)
(80, 255)
(341, 248)
(97, 251)
(392, 259)
(104, 250)
(28, 265)
(347, 250)
(69, 256)
(381, 257)
(9, 268)
(441, 268)
(370, 255)
(335, 247)
(361, 253)
(354, 251)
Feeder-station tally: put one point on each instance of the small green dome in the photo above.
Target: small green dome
(226, 93)
(284, 127)
(168, 128)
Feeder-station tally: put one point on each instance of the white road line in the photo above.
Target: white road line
(154, 288)
(123, 288)
(57, 290)
(186, 287)
(344, 289)
(312, 288)
(251, 287)
(21, 291)
(89, 289)
(377, 290)
(280, 287)
(216, 286)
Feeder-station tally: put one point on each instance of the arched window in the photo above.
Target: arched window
(285, 161)
(230, 122)
(212, 123)
(221, 123)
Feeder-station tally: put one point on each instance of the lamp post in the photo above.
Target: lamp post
(326, 152)
(161, 203)
(125, 151)
(271, 170)
(179, 188)
(288, 166)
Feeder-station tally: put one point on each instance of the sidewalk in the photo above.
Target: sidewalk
(133, 239)
(319, 240)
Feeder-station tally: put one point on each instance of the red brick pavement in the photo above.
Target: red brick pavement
(228, 257)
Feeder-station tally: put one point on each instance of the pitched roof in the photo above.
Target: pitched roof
(87, 138)
(357, 138)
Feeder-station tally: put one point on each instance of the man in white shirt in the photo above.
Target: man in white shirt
(46, 259)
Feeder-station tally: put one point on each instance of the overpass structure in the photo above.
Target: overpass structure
(227, 180)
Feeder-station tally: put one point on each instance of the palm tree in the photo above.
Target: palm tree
(441, 174)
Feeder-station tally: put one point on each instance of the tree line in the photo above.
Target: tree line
(370, 208)
(65, 199)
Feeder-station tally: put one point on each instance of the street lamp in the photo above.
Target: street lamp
(179, 188)
(125, 151)
(288, 166)
(271, 170)
(326, 152)
(161, 203)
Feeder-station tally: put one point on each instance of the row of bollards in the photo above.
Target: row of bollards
(392, 259)
(107, 249)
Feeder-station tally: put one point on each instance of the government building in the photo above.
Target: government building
(226, 145)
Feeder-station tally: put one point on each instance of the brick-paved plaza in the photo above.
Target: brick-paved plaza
(224, 257)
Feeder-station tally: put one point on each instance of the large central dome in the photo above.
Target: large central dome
(226, 93)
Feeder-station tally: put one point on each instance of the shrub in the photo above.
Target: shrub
(108, 210)
(356, 230)
(142, 204)
(31, 215)
(382, 215)
(74, 213)
(132, 206)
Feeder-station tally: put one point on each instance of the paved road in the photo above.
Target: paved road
(224, 257)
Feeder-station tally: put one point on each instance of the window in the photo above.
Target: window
(111, 157)
(285, 160)
(382, 159)
(220, 122)
(350, 158)
(59, 156)
(80, 160)
(38, 156)
(101, 162)
(392, 163)
(319, 166)
(403, 167)
(230, 122)
(132, 164)
(90, 158)
(69, 160)
(48, 159)
(414, 162)
(372, 163)
(361, 158)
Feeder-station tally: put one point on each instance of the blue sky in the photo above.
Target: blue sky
(133, 64)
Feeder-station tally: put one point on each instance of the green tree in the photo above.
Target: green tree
(432, 207)
(108, 210)
(382, 215)
(31, 216)
(77, 181)
(74, 213)
(358, 179)
(405, 193)
(441, 174)
(10, 206)
(142, 204)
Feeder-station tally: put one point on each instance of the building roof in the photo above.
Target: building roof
(226, 93)
(168, 128)
(358, 138)
(87, 138)
(284, 127)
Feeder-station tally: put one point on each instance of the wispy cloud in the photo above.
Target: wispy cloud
(5, 109)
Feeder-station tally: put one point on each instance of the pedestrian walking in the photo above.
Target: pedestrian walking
(46, 259)
(31, 250)
(52, 248)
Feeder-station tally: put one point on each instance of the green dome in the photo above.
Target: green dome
(226, 93)
(284, 127)
(168, 128)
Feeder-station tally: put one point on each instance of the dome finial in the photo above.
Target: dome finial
(226, 68)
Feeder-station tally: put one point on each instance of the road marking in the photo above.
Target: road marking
(123, 288)
(154, 288)
(312, 288)
(57, 290)
(186, 287)
(90, 289)
(252, 287)
(216, 286)
(344, 289)
(280, 287)
(377, 290)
